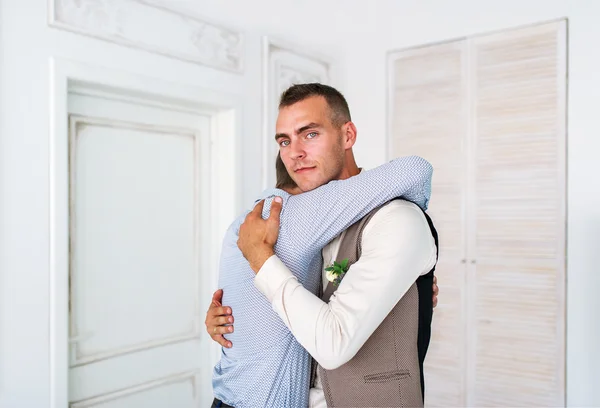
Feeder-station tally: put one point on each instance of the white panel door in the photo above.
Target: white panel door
(139, 178)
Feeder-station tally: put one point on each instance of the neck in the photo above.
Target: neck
(292, 190)
(350, 168)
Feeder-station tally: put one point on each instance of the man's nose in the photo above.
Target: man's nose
(297, 152)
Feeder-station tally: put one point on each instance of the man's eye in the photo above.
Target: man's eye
(311, 135)
(284, 143)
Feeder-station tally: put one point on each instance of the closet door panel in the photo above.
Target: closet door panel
(427, 111)
(518, 204)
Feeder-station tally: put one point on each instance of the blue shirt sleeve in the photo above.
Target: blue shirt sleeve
(314, 218)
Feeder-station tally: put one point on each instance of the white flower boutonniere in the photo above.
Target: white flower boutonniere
(336, 271)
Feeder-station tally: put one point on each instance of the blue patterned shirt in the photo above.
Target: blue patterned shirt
(267, 367)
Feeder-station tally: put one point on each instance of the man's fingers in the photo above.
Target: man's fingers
(220, 330)
(258, 208)
(255, 213)
(218, 311)
(222, 341)
(217, 321)
(222, 320)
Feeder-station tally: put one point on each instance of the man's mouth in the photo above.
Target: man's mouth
(303, 169)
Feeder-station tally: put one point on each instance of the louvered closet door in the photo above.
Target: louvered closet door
(427, 118)
(517, 306)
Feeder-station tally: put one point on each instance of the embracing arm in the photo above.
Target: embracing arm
(316, 217)
(397, 249)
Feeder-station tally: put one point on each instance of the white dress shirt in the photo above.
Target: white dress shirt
(397, 248)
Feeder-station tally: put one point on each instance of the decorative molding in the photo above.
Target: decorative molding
(138, 388)
(284, 65)
(151, 27)
(287, 76)
(77, 123)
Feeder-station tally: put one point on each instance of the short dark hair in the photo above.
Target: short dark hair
(340, 113)
(283, 177)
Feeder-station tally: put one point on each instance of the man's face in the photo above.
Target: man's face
(311, 147)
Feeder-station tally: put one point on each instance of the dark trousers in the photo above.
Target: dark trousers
(219, 404)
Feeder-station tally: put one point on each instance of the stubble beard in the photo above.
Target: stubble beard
(334, 170)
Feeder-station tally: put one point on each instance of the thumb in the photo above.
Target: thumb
(217, 297)
(273, 221)
(276, 205)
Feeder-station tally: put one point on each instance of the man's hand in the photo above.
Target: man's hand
(217, 317)
(436, 291)
(257, 236)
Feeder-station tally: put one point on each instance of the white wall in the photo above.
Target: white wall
(360, 33)
(399, 25)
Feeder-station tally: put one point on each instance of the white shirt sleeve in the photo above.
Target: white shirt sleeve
(397, 247)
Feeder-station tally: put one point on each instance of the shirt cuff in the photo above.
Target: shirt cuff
(271, 277)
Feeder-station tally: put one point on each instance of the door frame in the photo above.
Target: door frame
(225, 113)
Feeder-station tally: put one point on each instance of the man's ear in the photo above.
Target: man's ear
(349, 134)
